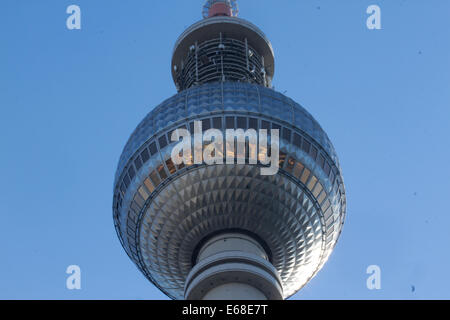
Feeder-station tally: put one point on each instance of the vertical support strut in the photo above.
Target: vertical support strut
(264, 72)
(246, 54)
(196, 61)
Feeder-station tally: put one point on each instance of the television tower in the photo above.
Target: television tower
(225, 231)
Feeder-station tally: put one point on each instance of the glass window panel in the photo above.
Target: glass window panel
(327, 168)
(139, 200)
(132, 216)
(149, 185)
(145, 155)
(313, 152)
(328, 224)
(282, 159)
(230, 122)
(162, 142)
(286, 134)
(317, 189)
(290, 164)
(297, 140)
(306, 145)
(171, 166)
(276, 126)
(180, 166)
(138, 163)
(143, 192)
(253, 123)
(206, 124)
(123, 188)
(321, 197)
(162, 172)
(321, 161)
(242, 123)
(153, 149)
(298, 169)
(135, 207)
(265, 125)
(326, 205)
(131, 172)
(305, 176)
(312, 183)
(217, 123)
(126, 180)
(155, 178)
(332, 177)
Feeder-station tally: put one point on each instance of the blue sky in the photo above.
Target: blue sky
(70, 100)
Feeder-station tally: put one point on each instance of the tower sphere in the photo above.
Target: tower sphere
(202, 231)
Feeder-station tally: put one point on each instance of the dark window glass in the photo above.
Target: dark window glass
(162, 172)
(217, 123)
(162, 142)
(297, 140)
(306, 145)
(230, 122)
(171, 166)
(153, 149)
(206, 124)
(282, 159)
(138, 163)
(321, 161)
(242, 123)
(139, 200)
(265, 125)
(154, 177)
(123, 188)
(276, 126)
(126, 180)
(327, 168)
(145, 156)
(290, 164)
(286, 134)
(131, 172)
(253, 123)
(313, 152)
(332, 176)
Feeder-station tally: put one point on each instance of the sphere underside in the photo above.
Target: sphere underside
(226, 197)
(163, 211)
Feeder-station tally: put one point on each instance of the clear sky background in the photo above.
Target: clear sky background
(70, 99)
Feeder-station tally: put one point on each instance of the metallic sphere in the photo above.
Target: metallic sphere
(163, 213)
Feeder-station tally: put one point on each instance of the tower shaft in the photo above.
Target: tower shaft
(233, 266)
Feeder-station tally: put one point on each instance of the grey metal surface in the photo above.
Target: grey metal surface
(299, 212)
